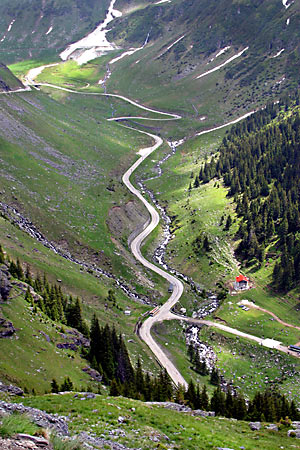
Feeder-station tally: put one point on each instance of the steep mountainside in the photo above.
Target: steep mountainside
(8, 82)
(266, 26)
(34, 28)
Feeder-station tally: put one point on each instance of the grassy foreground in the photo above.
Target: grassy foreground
(149, 426)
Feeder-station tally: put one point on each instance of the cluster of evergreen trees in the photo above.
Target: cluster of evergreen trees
(51, 300)
(66, 386)
(259, 161)
(108, 354)
(269, 406)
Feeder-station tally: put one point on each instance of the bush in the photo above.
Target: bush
(17, 423)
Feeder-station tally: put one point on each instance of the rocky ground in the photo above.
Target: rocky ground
(25, 442)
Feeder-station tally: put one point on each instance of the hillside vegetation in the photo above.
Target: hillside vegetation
(148, 426)
(8, 82)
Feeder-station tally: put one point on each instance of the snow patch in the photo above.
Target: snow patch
(49, 31)
(170, 46)
(10, 25)
(223, 64)
(8, 30)
(162, 1)
(128, 53)
(94, 44)
(278, 54)
(288, 21)
(223, 50)
(286, 3)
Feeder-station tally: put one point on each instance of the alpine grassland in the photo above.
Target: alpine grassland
(147, 426)
(63, 166)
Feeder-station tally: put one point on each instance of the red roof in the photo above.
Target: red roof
(241, 278)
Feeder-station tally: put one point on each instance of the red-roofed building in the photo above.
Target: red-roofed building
(241, 282)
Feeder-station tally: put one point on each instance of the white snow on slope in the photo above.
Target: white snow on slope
(162, 1)
(286, 4)
(223, 64)
(8, 30)
(49, 31)
(221, 52)
(288, 21)
(278, 54)
(10, 25)
(170, 46)
(94, 44)
(128, 53)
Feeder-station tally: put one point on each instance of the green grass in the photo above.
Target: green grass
(143, 422)
(251, 367)
(64, 444)
(17, 423)
(247, 365)
(65, 160)
(21, 68)
(35, 360)
(7, 77)
(259, 323)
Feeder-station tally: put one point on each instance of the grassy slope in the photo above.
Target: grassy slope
(7, 79)
(91, 290)
(70, 21)
(255, 76)
(28, 359)
(143, 422)
(62, 155)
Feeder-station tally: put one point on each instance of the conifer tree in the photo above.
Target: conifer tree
(54, 386)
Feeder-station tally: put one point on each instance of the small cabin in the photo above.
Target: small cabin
(241, 282)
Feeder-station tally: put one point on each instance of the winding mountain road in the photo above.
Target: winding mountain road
(164, 311)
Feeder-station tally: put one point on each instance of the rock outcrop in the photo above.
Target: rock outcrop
(40, 418)
(12, 390)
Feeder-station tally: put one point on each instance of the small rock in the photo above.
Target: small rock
(272, 427)
(36, 440)
(90, 395)
(294, 433)
(255, 426)
(224, 448)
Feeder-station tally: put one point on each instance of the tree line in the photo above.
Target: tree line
(268, 406)
(259, 162)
